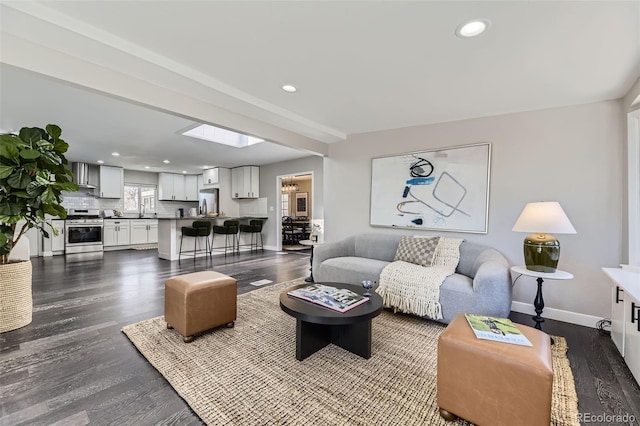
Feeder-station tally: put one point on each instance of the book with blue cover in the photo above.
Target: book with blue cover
(496, 329)
(338, 299)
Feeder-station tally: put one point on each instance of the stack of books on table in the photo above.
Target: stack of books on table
(338, 299)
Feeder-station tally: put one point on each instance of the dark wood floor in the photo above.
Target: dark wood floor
(73, 366)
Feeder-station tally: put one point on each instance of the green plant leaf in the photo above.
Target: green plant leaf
(54, 131)
(21, 194)
(66, 186)
(19, 179)
(6, 171)
(30, 154)
(61, 146)
(9, 209)
(9, 148)
(51, 157)
(48, 196)
(31, 135)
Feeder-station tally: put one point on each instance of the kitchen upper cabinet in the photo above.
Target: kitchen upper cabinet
(144, 231)
(191, 187)
(245, 182)
(175, 187)
(210, 178)
(117, 232)
(111, 182)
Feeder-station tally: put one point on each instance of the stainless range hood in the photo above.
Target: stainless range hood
(81, 175)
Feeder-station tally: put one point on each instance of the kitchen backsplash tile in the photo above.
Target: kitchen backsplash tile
(79, 200)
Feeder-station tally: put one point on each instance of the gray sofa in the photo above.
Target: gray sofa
(480, 285)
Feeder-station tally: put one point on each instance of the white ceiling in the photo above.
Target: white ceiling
(128, 75)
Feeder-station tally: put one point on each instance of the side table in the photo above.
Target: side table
(311, 243)
(538, 303)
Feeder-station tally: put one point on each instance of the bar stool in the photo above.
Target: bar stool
(254, 229)
(229, 230)
(198, 229)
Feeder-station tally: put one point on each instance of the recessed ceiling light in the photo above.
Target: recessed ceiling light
(115, 154)
(146, 167)
(184, 172)
(472, 28)
(100, 162)
(166, 161)
(289, 88)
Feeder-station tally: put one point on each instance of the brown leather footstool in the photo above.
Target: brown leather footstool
(199, 301)
(494, 383)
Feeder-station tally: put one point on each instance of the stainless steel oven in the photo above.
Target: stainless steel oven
(83, 231)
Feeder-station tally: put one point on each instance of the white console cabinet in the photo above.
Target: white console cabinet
(625, 315)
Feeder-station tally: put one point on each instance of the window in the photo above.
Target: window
(137, 196)
(285, 205)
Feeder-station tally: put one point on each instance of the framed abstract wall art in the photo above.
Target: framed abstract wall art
(442, 189)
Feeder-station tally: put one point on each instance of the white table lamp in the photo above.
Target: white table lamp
(541, 250)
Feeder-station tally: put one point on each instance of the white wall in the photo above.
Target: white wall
(573, 155)
(268, 188)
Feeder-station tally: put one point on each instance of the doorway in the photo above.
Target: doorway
(295, 210)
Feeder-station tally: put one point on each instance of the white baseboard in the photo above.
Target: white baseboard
(557, 314)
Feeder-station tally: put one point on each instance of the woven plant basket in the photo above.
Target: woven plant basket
(16, 303)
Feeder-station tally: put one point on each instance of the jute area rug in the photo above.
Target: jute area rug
(248, 375)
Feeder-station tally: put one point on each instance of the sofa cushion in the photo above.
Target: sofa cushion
(419, 251)
(376, 246)
(351, 270)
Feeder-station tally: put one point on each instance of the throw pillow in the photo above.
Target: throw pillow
(419, 251)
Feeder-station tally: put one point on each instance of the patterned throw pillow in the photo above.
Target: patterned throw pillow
(419, 251)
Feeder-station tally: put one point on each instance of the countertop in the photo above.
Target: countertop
(212, 218)
(129, 218)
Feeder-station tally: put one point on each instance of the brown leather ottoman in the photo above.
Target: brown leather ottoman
(199, 301)
(494, 383)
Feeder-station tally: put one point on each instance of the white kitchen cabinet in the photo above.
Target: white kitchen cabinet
(176, 187)
(210, 178)
(116, 232)
(57, 241)
(144, 231)
(35, 239)
(111, 182)
(632, 335)
(191, 187)
(625, 315)
(617, 317)
(245, 182)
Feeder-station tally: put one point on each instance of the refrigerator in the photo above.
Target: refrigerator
(208, 201)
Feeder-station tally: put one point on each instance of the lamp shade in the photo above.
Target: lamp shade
(544, 217)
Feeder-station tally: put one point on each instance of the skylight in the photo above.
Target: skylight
(222, 136)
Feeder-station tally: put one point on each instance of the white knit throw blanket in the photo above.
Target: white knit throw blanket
(415, 289)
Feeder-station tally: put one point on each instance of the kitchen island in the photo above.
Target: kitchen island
(170, 232)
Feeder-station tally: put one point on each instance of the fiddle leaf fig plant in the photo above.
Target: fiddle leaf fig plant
(32, 178)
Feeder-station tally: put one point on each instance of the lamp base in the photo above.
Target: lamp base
(541, 253)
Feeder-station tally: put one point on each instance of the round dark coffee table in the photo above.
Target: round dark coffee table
(317, 326)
